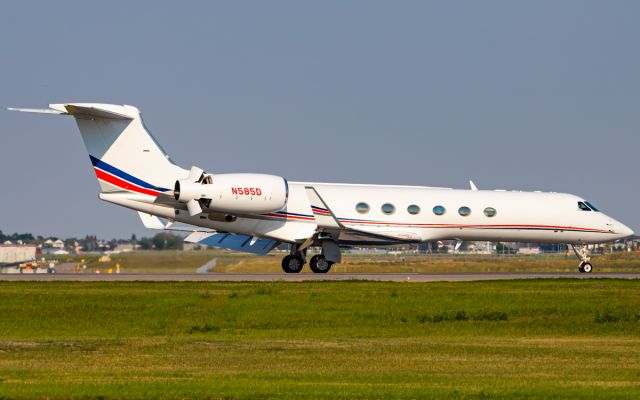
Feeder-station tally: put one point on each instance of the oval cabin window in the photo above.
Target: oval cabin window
(490, 212)
(439, 210)
(388, 208)
(413, 209)
(362, 208)
(464, 211)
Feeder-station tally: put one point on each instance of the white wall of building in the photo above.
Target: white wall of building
(16, 253)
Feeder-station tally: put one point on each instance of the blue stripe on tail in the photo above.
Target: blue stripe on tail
(123, 175)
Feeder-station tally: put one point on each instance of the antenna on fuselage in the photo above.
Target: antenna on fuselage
(473, 185)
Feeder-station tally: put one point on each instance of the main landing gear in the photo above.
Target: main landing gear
(581, 252)
(293, 263)
(320, 264)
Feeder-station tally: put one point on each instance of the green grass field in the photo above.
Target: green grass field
(477, 340)
(189, 261)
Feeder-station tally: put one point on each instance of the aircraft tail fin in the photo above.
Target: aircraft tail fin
(124, 154)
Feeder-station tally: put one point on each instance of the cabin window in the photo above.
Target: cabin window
(388, 208)
(583, 206)
(591, 206)
(490, 212)
(464, 211)
(413, 209)
(439, 210)
(362, 208)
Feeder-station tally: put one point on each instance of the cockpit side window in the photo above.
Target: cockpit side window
(583, 206)
(591, 206)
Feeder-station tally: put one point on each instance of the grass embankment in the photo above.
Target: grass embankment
(356, 263)
(189, 261)
(533, 339)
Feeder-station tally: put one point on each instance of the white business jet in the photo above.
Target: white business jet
(256, 212)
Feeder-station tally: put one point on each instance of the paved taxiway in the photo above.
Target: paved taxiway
(271, 277)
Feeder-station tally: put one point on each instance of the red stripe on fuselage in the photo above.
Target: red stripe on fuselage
(288, 216)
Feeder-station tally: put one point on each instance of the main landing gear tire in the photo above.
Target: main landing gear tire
(292, 264)
(319, 264)
(585, 267)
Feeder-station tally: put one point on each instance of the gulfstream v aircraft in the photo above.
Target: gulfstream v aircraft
(256, 212)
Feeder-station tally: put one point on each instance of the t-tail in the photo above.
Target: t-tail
(124, 155)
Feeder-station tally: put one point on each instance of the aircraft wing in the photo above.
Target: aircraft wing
(230, 241)
(354, 238)
(400, 235)
(322, 212)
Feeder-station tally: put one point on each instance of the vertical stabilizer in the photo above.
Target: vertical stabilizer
(124, 154)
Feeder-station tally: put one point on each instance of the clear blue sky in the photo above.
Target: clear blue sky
(539, 95)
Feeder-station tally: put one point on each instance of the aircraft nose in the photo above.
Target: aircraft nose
(624, 230)
(620, 229)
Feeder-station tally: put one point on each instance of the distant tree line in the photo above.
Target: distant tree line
(25, 237)
(161, 241)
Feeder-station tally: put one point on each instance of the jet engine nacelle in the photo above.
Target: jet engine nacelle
(233, 193)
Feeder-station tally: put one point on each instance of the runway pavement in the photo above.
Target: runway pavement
(271, 277)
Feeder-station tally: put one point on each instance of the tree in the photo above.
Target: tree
(146, 243)
(167, 241)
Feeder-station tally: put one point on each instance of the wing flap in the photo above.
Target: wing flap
(244, 243)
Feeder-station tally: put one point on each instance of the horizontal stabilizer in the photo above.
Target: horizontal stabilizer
(231, 241)
(37, 110)
(93, 111)
(82, 111)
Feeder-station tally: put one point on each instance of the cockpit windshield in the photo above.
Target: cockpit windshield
(582, 206)
(586, 206)
(592, 206)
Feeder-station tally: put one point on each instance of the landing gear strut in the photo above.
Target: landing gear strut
(581, 252)
(319, 264)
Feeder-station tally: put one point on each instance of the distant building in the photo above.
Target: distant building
(125, 248)
(530, 250)
(194, 247)
(55, 251)
(479, 248)
(13, 253)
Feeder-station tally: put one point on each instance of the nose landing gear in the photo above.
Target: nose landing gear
(581, 252)
(585, 267)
